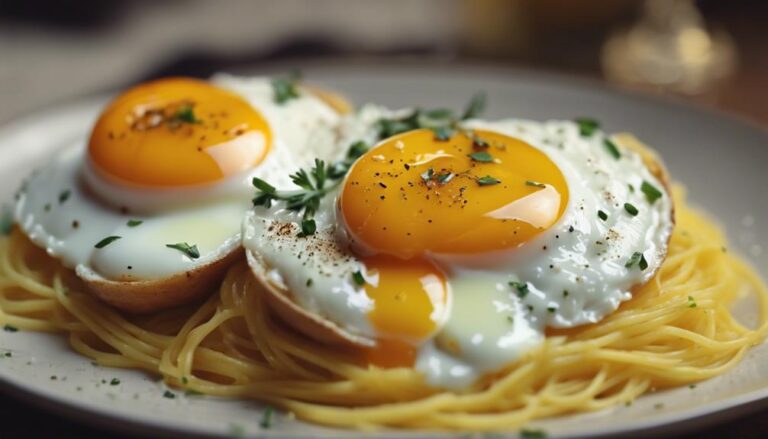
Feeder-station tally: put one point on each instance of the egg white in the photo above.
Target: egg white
(208, 216)
(580, 254)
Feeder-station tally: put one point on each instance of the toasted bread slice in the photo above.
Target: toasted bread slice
(283, 303)
(147, 296)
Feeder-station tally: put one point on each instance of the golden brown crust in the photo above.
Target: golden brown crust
(312, 325)
(156, 295)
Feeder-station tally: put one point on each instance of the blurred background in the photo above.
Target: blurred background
(712, 51)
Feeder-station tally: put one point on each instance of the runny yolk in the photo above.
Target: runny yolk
(474, 192)
(410, 299)
(177, 132)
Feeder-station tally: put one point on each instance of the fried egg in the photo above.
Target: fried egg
(156, 196)
(452, 254)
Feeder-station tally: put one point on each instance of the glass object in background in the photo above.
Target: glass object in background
(670, 50)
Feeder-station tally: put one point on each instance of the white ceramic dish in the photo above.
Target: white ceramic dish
(720, 159)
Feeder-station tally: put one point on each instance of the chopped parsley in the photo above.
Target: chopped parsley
(357, 276)
(691, 302)
(10, 328)
(475, 107)
(535, 184)
(487, 181)
(185, 114)
(602, 215)
(443, 134)
(168, 394)
(587, 126)
(521, 287)
(426, 176)
(631, 209)
(637, 258)
(313, 185)
(443, 122)
(64, 196)
(106, 241)
(308, 227)
(189, 250)
(444, 177)
(309, 282)
(481, 156)
(6, 220)
(651, 192)
(285, 89)
(533, 434)
(691, 386)
(114, 382)
(266, 418)
(134, 223)
(8, 354)
(184, 380)
(612, 149)
(551, 309)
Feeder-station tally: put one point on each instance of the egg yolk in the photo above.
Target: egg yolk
(409, 301)
(177, 132)
(475, 191)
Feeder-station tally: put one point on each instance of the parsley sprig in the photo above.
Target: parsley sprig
(285, 89)
(443, 121)
(314, 184)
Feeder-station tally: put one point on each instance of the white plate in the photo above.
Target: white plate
(722, 161)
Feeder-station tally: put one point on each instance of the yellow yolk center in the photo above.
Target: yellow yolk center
(177, 132)
(410, 298)
(474, 192)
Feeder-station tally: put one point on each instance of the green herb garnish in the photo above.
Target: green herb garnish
(535, 184)
(309, 282)
(612, 149)
(6, 220)
(266, 418)
(602, 215)
(533, 434)
(64, 196)
(10, 328)
(443, 134)
(134, 223)
(691, 302)
(650, 191)
(285, 89)
(168, 394)
(106, 241)
(631, 209)
(114, 382)
(487, 181)
(481, 156)
(308, 227)
(185, 114)
(637, 258)
(358, 278)
(521, 287)
(475, 107)
(587, 126)
(444, 177)
(313, 185)
(189, 250)
(442, 121)
(426, 176)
